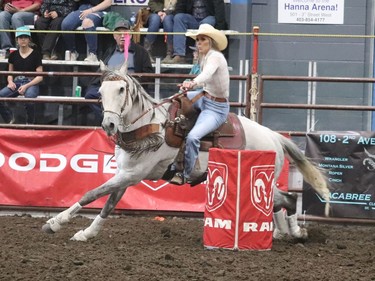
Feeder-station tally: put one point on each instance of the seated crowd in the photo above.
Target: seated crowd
(67, 15)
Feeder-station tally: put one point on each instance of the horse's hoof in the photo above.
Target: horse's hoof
(278, 235)
(79, 236)
(304, 234)
(47, 229)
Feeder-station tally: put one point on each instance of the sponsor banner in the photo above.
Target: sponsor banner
(55, 169)
(349, 161)
(311, 11)
(239, 200)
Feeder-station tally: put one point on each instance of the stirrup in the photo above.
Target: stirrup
(199, 180)
(178, 179)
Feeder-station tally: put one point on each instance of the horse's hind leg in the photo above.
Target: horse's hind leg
(281, 228)
(97, 224)
(294, 229)
(289, 223)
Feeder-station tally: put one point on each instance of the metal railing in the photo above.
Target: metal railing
(79, 100)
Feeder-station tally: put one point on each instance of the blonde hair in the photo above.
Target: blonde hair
(213, 44)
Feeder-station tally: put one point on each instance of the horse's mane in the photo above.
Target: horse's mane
(141, 99)
(137, 90)
(136, 148)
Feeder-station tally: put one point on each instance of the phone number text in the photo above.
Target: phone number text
(310, 19)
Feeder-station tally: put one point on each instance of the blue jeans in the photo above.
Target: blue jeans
(181, 23)
(92, 92)
(16, 20)
(72, 21)
(31, 92)
(154, 23)
(212, 115)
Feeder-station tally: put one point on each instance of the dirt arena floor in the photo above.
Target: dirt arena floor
(142, 248)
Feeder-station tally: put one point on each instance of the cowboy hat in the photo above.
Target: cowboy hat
(208, 30)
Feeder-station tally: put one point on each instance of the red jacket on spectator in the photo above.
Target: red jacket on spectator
(21, 4)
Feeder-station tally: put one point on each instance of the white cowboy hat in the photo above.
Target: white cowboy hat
(208, 30)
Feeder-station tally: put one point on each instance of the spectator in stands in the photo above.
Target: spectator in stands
(89, 15)
(190, 14)
(138, 61)
(212, 102)
(17, 13)
(161, 16)
(24, 59)
(196, 69)
(52, 14)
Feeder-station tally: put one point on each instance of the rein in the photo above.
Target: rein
(156, 106)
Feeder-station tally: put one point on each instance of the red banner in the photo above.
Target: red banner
(55, 168)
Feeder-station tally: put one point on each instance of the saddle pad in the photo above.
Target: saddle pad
(228, 138)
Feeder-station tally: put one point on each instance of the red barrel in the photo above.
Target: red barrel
(239, 200)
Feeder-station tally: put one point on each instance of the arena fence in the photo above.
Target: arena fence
(260, 105)
(256, 97)
(80, 100)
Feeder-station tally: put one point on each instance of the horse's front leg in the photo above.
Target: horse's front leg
(55, 224)
(97, 224)
(118, 182)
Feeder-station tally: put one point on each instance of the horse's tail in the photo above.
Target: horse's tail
(311, 173)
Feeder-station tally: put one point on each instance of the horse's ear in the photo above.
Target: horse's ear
(124, 67)
(103, 67)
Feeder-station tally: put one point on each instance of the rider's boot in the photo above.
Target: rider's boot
(178, 179)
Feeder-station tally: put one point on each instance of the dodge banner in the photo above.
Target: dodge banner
(55, 168)
(349, 161)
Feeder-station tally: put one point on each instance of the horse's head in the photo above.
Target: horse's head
(124, 101)
(116, 99)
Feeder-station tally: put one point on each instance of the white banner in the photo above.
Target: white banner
(130, 2)
(311, 11)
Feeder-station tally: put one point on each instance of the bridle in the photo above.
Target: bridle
(117, 77)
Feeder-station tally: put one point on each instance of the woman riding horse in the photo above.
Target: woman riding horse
(212, 103)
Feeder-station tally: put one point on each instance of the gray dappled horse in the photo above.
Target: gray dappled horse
(127, 107)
